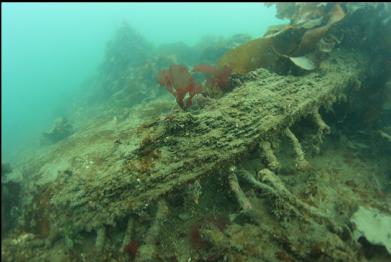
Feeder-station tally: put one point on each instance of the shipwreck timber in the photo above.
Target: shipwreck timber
(175, 150)
(243, 177)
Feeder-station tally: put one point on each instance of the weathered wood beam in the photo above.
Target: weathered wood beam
(178, 149)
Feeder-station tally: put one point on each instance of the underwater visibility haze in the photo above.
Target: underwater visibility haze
(50, 49)
(196, 132)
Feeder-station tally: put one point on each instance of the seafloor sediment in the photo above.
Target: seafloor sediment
(285, 167)
(245, 178)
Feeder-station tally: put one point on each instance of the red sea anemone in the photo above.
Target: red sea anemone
(195, 238)
(131, 248)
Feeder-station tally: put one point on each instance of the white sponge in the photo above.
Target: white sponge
(374, 225)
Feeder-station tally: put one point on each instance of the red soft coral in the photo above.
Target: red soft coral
(195, 237)
(132, 248)
(180, 83)
(218, 78)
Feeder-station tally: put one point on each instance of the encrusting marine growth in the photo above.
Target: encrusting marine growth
(236, 179)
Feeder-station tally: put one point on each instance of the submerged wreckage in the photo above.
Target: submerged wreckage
(161, 191)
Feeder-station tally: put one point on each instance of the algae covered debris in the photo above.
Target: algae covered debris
(274, 149)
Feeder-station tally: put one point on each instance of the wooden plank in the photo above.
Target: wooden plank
(181, 148)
